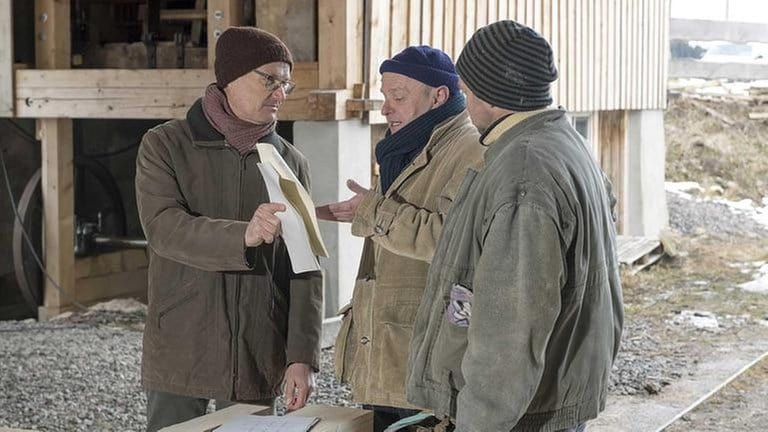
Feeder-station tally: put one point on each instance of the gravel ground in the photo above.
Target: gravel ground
(691, 217)
(81, 372)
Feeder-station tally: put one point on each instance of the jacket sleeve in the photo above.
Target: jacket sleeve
(171, 230)
(516, 302)
(399, 227)
(305, 316)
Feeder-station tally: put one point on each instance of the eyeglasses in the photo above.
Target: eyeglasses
(271, 83)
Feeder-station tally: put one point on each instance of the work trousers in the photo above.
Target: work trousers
(167, 409)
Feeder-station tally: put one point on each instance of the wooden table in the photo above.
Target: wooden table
(332, 419)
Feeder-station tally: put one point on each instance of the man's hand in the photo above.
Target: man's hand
(343, 211)
(298, 384)
(264, 225)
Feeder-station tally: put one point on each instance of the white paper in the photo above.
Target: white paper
(254, 423)
(295, 192)
(293, 231)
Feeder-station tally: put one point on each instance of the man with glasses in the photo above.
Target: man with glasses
(227, 318)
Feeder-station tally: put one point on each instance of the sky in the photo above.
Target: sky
(730, 10)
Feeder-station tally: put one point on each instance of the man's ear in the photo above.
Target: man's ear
(440, 96)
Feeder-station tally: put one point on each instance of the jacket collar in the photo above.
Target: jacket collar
(502, 125)
(440, 132)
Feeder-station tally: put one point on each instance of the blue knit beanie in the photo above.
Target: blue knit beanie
(424, 64)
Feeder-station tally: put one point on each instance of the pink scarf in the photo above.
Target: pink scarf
(240, 134)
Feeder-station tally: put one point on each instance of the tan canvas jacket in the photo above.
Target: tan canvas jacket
(401, 229)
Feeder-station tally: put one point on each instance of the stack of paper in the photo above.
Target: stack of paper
(299, 224)
(252, 423)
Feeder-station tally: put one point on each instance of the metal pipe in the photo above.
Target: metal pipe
(120, 242)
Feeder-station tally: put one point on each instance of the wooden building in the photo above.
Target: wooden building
(612, 57)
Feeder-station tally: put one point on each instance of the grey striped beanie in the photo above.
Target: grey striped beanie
(509, 66)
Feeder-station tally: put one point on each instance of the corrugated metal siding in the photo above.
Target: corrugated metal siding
(612, 54)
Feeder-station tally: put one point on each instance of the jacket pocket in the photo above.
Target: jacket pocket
(345, 348)
(173, 306)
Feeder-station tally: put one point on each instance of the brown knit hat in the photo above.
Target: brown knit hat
(240, 50)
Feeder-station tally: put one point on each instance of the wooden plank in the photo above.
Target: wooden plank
(426, 21)
(340, 55)
(460, 29)
(131, 283)
(6, 58)
(337, 419)
(470, 20)
(59, 211)
(328, 104)
(52, 50)
(378, 49)
(664, 78)
(197, 26)
(52, 38)
(571, 78)
(215, 419)
(449, 27)
(414, 22)
(115, 93)
(437, 23)
(493, 11)
(111, 262)
(612, 143)
(222, 14)
(183, 15)
(481, 14)
(296, 22)
(590, 58)
(399, 31)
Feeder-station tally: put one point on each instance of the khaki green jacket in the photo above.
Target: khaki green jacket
(401, 230)
(522, 313)
(223, 321)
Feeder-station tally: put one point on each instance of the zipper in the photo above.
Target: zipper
(237, 286)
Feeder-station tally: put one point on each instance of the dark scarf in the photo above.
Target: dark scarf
(396, 151)
(240, 134)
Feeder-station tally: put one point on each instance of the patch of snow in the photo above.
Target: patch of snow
(683, 188)
(698, 319)
(760, 284)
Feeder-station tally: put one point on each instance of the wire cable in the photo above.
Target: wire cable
(24, 233)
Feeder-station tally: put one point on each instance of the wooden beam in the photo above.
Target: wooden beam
(329, 104)
(52, 37)
(130, 283)
(52, 50)
(340, 51)
(222, 14)
(197, 26)
(6, 58)
(59, 211)
(183, 15)
(294, 22)
(117, 93)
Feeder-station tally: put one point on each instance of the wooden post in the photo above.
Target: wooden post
(6, 58)
(52, 51)
(221, 15)
(340, 51)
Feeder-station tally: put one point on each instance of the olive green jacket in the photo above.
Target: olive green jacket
(401, 229)
(223, 320)
(522, 314)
